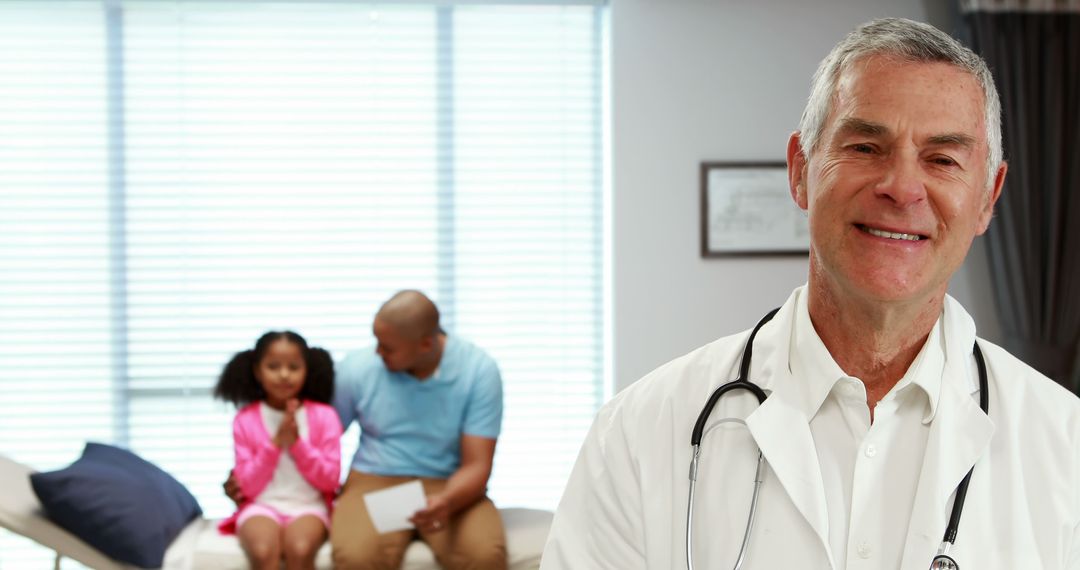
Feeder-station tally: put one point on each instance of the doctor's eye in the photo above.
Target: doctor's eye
(862, 148)
(942, 160)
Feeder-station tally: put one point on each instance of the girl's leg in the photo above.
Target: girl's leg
(261, 538)
(302, 539)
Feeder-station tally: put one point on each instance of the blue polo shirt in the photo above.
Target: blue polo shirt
(410, 427)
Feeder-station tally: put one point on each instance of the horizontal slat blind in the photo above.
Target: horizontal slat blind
(182, 176)
(281, 165)
(55, 295)
(529, 277)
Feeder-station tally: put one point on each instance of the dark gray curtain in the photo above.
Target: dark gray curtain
(1034, 241)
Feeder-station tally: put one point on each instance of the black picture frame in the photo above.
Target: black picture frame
(747, 209)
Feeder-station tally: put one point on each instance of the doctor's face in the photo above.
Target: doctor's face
(897, 187)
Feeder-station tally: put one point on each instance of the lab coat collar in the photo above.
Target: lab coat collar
(960, 434)
(814, 370)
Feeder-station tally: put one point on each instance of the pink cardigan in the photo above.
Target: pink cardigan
(318, 458)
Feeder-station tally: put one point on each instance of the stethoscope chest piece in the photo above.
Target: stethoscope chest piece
(943, 562)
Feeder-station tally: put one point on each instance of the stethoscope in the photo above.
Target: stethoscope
(941, 562)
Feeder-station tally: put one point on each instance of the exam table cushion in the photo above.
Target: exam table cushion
(526, 533)
(117, 502)
(201, 547)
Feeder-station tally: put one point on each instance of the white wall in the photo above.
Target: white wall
(701, 80)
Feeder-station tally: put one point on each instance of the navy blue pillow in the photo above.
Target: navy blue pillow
(117, 502)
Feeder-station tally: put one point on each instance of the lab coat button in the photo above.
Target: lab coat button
(864, 550)
(871, 450)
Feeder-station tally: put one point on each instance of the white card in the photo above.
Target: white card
(391, 508)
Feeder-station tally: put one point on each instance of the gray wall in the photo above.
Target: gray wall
(713, 80)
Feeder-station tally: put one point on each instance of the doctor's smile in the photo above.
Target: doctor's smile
(890, 235)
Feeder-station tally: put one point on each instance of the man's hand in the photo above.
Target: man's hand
(464, 488)
(232, 489)
(435, 517)
(288, 432)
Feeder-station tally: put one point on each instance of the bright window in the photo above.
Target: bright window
(178, 177)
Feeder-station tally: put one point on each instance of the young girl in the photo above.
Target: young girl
(288, 449)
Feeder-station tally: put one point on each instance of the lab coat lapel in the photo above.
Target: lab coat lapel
(959, 435)
(782, 430)
(783, 435)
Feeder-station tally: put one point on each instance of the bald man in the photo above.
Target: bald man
(429, 407)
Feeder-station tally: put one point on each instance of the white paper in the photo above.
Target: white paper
(391, 508)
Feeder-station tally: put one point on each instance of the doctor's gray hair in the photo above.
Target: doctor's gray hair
(908, 41)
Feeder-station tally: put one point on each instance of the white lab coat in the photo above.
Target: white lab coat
(625, 505)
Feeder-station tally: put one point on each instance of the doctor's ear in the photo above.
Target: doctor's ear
(796, 165)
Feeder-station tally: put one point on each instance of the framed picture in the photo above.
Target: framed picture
(746, 209)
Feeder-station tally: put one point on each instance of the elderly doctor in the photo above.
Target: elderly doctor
(873, 414)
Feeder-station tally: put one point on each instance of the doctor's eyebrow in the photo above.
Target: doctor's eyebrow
(952, 139)
(854, 126)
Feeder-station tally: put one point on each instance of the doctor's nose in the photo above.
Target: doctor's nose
(901, 181)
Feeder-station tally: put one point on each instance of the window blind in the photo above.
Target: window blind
(55, 294)
(182, 176)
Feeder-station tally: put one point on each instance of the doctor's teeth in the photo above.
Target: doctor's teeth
(892, 235)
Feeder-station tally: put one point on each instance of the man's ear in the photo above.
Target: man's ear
(796, 166)
(995, 193)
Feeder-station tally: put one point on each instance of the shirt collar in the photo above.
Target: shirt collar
(446, 371)
(927, 371)
(816, 373)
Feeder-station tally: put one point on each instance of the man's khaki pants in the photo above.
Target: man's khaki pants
(474, 538)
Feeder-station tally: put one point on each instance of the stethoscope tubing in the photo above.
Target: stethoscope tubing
(758, 479)
(740, 383)
(943, 560)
